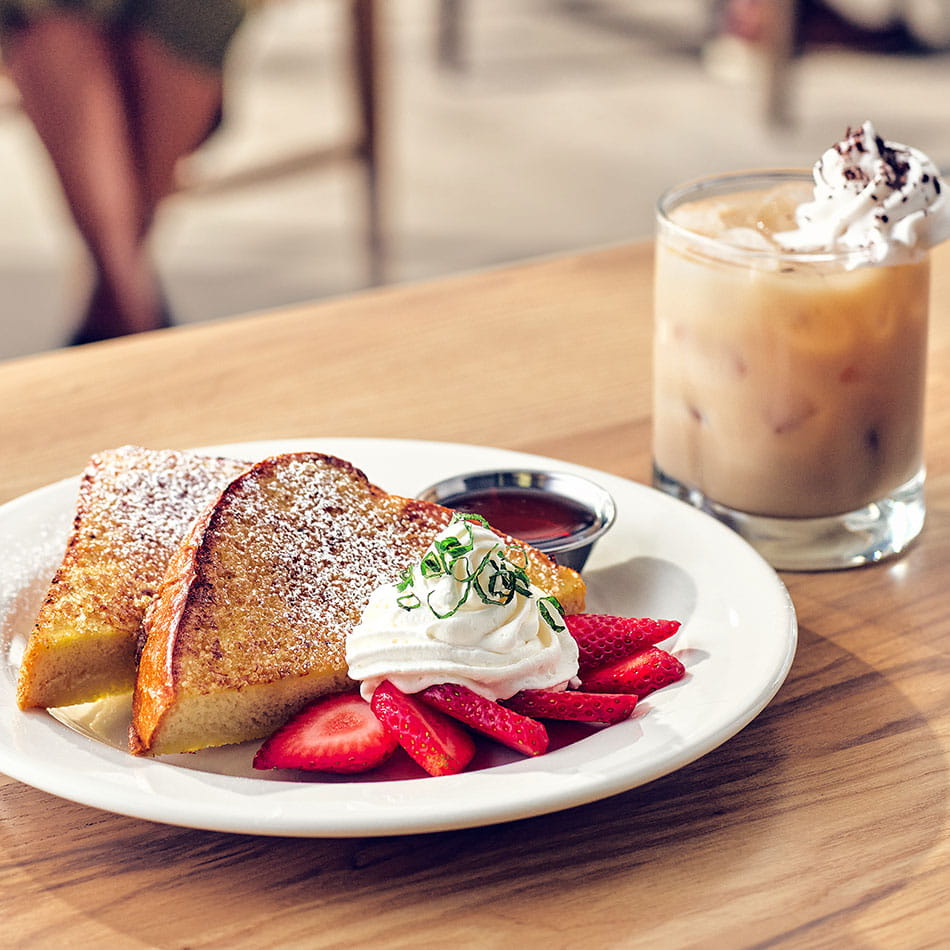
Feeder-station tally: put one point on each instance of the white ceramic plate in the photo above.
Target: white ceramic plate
(661, 558)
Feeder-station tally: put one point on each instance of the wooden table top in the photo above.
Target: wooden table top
(823, 823)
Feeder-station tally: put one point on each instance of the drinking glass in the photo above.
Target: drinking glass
(788, 386)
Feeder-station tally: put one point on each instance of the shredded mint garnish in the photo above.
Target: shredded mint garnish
(550, 618)
(471, 517)
(496, 579)
(432, 565)
(505, 580)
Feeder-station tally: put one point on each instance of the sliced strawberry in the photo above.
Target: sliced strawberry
(439, 744)
(335, 734)
(641, 674)
(489, 718)
(573, 705)
(602, 639)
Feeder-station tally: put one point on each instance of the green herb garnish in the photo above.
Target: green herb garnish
(544, 608)
(496, 579)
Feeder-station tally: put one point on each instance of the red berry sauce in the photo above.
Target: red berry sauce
(526, 514)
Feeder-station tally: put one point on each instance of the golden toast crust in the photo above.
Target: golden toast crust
(251, 619)
(134, 506)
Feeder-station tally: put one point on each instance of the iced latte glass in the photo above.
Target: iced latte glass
(788, 386)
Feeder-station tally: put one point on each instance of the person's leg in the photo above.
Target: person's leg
(67, 74)
(116, 109)
(172, 105)
(171, 59)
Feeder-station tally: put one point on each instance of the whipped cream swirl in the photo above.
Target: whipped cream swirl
(871, 194)
(466, 614)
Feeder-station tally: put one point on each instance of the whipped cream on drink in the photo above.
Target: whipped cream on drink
(465, 614)
(791, 333)
(871, 194)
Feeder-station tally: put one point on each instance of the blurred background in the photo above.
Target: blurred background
(507, 129)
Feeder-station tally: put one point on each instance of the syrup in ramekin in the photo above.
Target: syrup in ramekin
(531, 516)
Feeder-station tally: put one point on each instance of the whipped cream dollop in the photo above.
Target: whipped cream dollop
(871, 194)
(466, 614)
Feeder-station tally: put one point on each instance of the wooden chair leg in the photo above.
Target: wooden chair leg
(363, 148)
(779, 55)
(366, 69)
(449, 34)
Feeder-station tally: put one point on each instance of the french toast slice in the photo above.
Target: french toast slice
(251, 619)
(134, 507)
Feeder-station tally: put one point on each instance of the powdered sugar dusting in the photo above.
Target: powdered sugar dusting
(149, 498)
(296, 547)
(135, 505)
(25, 582)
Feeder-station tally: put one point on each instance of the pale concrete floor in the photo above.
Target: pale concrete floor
(565, 124)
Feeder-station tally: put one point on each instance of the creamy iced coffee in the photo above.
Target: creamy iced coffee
(791, 334)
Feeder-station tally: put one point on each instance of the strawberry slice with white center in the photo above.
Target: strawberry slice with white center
(438, 743)
(641, 674)
(334, 734)
(603, 639)
(488, 717)
(573, 705)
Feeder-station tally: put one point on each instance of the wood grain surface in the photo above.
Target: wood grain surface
(823, 824)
